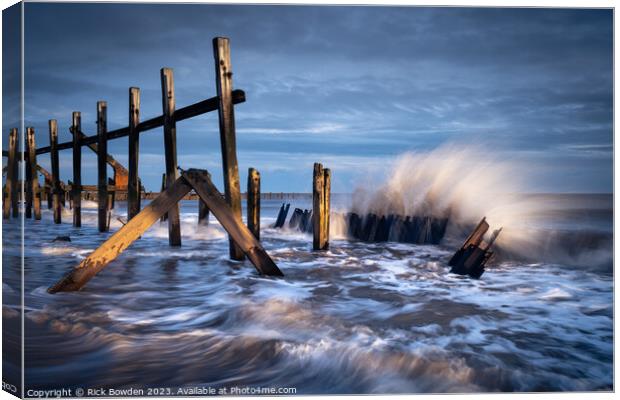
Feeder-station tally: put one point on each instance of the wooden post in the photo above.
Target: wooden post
(34, 176)
(327, 183)
(223, 79)
(318, 206)
(76, 127)
(203, 211)
(170, 145)
(133, 184)
(11, 200)
(56, 201)
(253, 202)
(164, 216)
(102, 167)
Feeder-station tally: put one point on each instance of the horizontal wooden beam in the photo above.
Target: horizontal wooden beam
(181, 114)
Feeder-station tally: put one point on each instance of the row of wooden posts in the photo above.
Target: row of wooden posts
(243, 241)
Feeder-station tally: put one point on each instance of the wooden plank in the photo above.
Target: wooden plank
(253, 202)
(102, 167)
(170, 148)
(318, 207)
(11, 198)
(202, 107)
(242, 236)
(327, 183)
(133, 184)
(226, 114)
(120, 240)
(203, 211)
(34, 179)
(76, 188)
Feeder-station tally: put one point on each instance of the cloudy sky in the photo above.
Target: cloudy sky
(351, 87)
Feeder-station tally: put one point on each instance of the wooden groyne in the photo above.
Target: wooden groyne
(191, 184)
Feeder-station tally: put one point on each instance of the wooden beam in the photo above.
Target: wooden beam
(11, 199)
(133, 184)
(244, 239)
(34, 178)
(170, 148)
(119, 241)
(102, 167)
(181, 114)
(226, 114)
(253, 202)
(76, 188)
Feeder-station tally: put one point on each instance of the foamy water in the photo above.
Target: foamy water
(359, 318)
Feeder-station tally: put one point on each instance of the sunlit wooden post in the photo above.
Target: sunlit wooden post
(34, 176)
(133, 184)
(223, 79)
(102, 168)
(327, 183)
(320, 207)
(76, 127)
(253, 202)
(11, 200)
(170, 148)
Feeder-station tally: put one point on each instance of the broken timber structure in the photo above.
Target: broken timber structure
(117, 243)
(471, 258)
(227, 209)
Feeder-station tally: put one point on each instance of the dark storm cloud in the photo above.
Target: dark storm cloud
(350, 86)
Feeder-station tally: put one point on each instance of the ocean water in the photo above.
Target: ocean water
(359, 318)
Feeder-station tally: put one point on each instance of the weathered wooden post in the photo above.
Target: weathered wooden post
(223, 79)
(133, 184)
(56, 201)
(164, 216)
(253, 202)
(327, 184)
(203, 210)
(320, 207)
(76, 127)
(170, 145)
(102, 171)
(34, 176)
(11, 178)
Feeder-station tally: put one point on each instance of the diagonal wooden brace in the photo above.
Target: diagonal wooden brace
(239, 233)
(124, 237)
